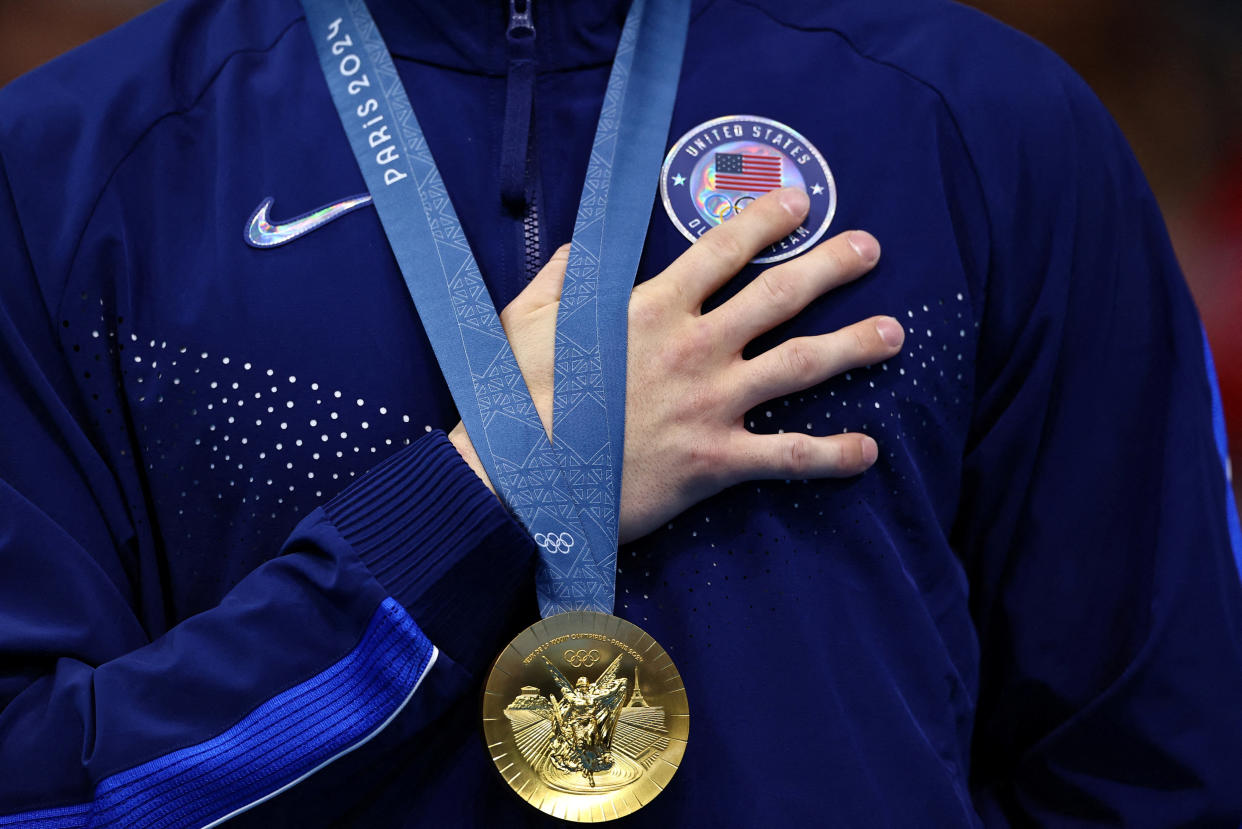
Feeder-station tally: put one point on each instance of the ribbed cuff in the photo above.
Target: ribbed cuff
(440, 543)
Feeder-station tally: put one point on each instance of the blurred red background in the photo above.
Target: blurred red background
(1170, 72)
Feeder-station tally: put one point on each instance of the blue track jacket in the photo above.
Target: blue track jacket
(243, 574)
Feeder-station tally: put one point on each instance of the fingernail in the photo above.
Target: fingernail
(890, 331)
(869, 450)
(795, 201)
(865, 245)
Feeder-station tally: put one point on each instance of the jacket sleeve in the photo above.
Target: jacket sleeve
(361, 623)
(1095, 518)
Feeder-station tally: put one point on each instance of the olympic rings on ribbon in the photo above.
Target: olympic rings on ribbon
(555, 543)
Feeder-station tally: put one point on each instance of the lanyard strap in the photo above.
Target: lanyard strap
(552, 490)
(611, 226)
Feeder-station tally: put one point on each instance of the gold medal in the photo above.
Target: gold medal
(585, 716)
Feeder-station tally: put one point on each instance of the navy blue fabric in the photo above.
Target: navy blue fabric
(272, 747)
(519, 98)
(282, 740)
(1025, 614)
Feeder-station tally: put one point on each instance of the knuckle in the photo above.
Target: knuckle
(798, 455)
(644, 311)
(702, 336)
(799, 360)
(723, 245)
(838, 261)
(677, 353)
(688, 346)
(674, 293)
(705, 459)
(780, 290)
(864, 341)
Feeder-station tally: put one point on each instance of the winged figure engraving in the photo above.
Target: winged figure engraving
(586, 729)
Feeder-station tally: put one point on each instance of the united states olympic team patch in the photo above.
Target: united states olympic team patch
(722, 165)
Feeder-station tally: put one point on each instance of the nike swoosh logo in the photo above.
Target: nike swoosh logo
(262, 232)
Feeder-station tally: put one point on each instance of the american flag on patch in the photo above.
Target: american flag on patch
(743, 171)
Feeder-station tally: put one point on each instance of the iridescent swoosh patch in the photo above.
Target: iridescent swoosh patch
(261, 232)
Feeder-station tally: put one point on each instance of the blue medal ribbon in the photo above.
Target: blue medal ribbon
(567, 495)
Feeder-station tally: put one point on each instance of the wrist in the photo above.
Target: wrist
(461, 441)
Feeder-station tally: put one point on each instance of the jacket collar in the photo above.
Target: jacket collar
(469, 35)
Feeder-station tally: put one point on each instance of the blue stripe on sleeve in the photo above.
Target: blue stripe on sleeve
(274, 747)
(66, 817)
(1222, 447)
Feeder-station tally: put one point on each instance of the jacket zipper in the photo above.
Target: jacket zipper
(518, 173)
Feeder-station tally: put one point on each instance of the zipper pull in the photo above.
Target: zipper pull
(521, 24)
